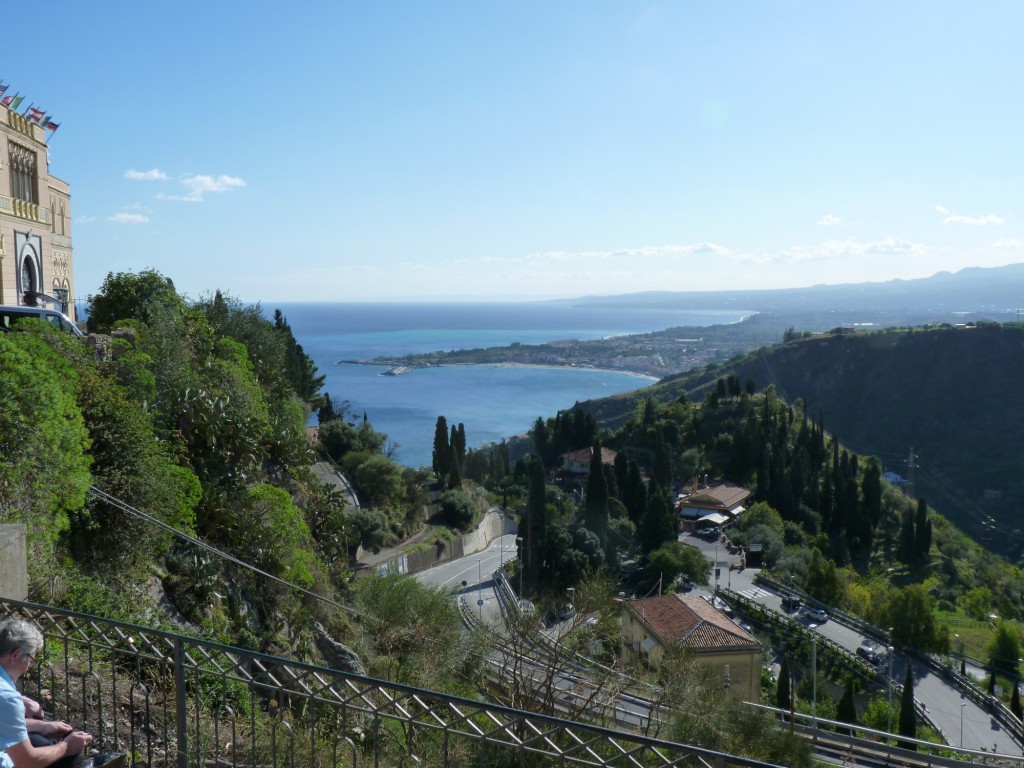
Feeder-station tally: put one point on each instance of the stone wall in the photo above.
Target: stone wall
(491, 527)
(13, 562)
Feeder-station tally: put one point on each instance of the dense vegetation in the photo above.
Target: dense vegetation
(949, 394)
(194, 413)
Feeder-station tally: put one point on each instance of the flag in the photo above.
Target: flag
(7, 101)
(15, 103)
(35, 115)
(3, 88)
(49, 124)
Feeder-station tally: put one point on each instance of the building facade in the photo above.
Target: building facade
(36, 259)
(651, 625)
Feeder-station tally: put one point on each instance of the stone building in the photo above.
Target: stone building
(36, 262)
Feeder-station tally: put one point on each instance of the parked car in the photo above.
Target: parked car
(708, 533)
(791, 603)
(10, 314)
(867, 652)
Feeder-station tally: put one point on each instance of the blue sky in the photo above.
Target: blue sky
(322, 150)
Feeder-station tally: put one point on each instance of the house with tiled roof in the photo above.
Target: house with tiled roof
(725, 499)
(653, 624)
(578, 462)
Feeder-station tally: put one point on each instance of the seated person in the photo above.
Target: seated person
(20, 642)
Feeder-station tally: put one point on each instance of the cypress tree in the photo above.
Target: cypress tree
(454, 471)
(658, 523)
(1015, 701)
(536, 522)
(922, 537)
(596, 506)
(442, 450)
(908, 539)
(783, 693)
(846, 710)
(908, 717)
(460, 444)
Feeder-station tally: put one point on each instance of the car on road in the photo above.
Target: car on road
(867, 652)
(791, 603)
(815, 615)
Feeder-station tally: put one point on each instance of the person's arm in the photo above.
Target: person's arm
(55, 729)
(24, 755)
(32, 707)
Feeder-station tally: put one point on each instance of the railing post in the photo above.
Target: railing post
(181, 710)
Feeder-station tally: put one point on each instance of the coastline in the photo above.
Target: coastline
(509, 364)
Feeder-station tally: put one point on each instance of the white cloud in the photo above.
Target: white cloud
(85, 219)
(1010, 242)
(152, 175)
(830, 220)
(199, 185)
(958, 218)
(129, 218)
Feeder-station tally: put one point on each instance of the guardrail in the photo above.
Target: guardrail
(172, 700)
(990, 704)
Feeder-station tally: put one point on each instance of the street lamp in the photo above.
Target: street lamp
(889, 685)
(519, 549)
(479, 589)
(501, 541)
(814, 681)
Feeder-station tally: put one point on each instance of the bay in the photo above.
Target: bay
(492, 401)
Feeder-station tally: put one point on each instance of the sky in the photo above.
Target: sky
(337, 151)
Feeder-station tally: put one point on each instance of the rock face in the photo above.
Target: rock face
(336, 655)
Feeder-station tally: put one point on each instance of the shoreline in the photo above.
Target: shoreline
(509, 364)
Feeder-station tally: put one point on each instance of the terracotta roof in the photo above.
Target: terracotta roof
(583, 455)
(725, 495)
(692, 622)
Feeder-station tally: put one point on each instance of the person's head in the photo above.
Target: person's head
(20, 641)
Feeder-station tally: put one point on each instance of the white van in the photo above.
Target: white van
(9, 315)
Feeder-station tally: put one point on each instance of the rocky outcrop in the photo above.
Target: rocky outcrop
(337, 656)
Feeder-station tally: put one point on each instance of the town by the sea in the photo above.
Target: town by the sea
(492, 401)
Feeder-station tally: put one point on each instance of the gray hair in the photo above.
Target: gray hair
(18, 633)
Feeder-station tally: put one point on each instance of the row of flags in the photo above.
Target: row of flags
(32, 112)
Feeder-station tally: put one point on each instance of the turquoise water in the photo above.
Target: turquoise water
(493, 402)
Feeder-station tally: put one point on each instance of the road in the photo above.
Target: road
(476, 571)
(942, 701)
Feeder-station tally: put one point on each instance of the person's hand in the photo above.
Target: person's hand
(33, 708)
(55, 729)
(77, 741)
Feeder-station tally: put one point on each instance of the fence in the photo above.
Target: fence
(171, 700)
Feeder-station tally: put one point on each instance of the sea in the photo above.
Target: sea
(492, 401)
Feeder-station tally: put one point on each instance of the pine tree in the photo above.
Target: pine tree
(908, 717)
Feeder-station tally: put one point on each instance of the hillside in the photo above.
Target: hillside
(949, 393)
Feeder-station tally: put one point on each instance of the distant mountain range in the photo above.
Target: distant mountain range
(995, 291)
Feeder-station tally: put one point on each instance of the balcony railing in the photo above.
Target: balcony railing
(172, 700)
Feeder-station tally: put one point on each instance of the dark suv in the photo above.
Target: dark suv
(791, 603)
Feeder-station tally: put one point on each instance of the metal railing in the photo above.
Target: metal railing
(171, 700)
